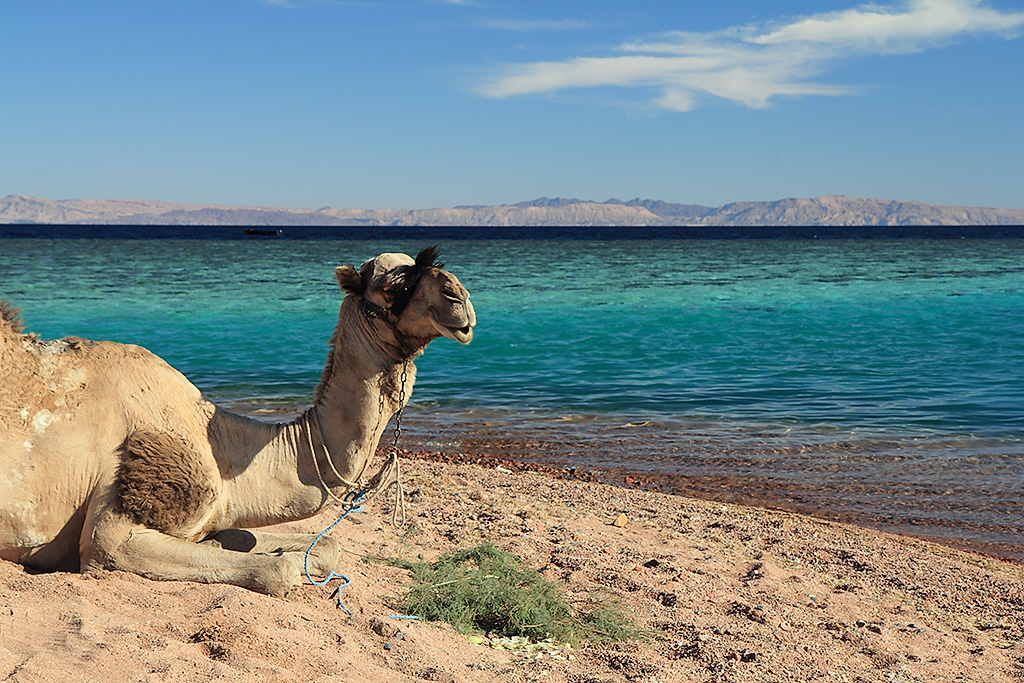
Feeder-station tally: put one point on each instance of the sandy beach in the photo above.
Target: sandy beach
(723, 592)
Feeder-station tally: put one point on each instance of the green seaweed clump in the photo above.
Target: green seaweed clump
(485, 590)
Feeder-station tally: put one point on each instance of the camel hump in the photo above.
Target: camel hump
(162, 483)
(10, 318)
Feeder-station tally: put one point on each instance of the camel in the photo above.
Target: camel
(110, 459)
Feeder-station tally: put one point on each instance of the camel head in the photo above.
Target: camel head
(416, 298)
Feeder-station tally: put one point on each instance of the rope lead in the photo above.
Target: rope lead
(353, 503)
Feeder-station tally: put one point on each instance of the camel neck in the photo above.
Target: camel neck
(361, 390)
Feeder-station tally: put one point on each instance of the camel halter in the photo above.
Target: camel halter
(380, 481)
(374, 311)
(389, 315)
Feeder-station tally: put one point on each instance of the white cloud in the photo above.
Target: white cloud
(881, 30)
(753, 64)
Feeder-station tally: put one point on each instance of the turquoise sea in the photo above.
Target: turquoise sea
(879, 381)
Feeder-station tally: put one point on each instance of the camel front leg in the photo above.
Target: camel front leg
(323, 559)
(117, 544)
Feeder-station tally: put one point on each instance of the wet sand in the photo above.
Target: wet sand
(884, 485)
(964, 492)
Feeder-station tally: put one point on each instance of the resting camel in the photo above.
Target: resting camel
(110, 459)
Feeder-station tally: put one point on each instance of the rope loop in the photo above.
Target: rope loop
(350, 504)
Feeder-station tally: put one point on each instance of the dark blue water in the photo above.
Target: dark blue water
(879, 380)
(588, 233)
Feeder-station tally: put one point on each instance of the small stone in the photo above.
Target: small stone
(383, 628)
(621, 520)
(668, 599)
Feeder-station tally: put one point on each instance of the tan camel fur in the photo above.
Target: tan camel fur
(110, 459)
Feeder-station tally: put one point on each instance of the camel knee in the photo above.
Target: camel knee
(105, 546)
(327, 550)
(323, 558)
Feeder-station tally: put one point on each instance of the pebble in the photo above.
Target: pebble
(621, 520)
(382, 628)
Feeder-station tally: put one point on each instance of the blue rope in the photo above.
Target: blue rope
(353, 503)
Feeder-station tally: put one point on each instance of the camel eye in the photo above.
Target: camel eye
(396, 288)
(400, 294)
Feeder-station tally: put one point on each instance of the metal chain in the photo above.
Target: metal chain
(353, 501)
(398, 516)
(401, 407)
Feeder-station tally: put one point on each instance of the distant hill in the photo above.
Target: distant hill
(821, 211)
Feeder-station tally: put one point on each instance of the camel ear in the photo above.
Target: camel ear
(349, 280)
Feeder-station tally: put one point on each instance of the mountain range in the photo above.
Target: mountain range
(821, 211)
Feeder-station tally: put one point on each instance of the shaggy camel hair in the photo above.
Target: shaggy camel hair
(111, 460)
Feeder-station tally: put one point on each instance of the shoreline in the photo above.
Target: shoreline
(723, 592)
(919, 486)
(719, 491)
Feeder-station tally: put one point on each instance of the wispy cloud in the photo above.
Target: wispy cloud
(755, 63)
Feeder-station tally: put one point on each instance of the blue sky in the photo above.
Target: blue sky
(427, 103)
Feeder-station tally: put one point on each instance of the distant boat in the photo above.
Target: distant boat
(264, 232)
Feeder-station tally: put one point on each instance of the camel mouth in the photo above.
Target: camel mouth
(463, 335)
(456, 320)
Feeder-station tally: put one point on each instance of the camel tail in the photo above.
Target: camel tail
(10, 319)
